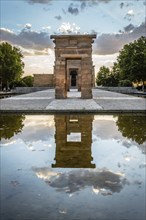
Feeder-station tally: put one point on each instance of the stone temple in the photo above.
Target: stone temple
(73, 65)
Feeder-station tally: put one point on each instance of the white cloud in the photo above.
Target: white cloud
(38, 64)
(28, 40)
(112, 43)
(27, 51)
(46, 28)
(7, 30)
(130, 13)
(39, 1)
(27, 26)
(67, 28)
(31, 52)
(104, 60)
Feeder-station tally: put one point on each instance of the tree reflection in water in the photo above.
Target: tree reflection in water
(132, 127)
(10, 125)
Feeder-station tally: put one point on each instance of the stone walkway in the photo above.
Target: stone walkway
(45, 102)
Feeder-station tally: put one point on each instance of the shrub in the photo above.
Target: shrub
(28, 80)
(17, 83)
(125, 83)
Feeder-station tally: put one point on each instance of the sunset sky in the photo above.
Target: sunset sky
(28, 24)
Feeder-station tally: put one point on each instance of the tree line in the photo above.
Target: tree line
(11, 68)
(129, 68)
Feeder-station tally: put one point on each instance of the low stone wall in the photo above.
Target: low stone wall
(125, 90)
(25, 90)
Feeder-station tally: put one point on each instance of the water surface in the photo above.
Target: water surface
(73, 167)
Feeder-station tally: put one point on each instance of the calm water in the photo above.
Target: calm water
(73, 167)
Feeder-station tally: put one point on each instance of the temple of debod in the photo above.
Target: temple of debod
(73, 67)
(71, 86)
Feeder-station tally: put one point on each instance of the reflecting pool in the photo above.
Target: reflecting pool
(73, 167)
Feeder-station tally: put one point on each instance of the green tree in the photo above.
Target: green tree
(112, 80)
(115, 72)
(11, 64)
(105, 77)
(28, 80)
(125, 83)
(17, 83)
(132, 127)
(132, 61)
(10, 125)
(102, 76)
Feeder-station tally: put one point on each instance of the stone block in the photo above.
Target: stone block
(60, 93)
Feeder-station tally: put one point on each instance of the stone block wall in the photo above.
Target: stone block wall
(43, 80)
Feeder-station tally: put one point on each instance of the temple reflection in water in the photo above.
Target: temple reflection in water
(73, 139)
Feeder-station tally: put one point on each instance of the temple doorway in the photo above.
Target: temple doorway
(73, 83)
(73, 79)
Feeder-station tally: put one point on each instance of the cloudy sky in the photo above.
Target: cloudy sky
(28, 24)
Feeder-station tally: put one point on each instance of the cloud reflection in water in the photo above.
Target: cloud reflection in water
(104, 181)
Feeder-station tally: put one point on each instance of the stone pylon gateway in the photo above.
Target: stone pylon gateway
(73, 65)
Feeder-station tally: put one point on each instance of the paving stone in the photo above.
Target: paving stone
(73, 104)
(44, 101)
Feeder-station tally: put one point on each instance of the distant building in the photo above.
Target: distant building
(43, 80)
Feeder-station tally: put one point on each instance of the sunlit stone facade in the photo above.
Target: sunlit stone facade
(73, 65)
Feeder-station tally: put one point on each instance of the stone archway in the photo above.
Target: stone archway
(73, 71)
(73, 79)
(73, 49)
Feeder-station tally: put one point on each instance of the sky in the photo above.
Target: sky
(28, 24)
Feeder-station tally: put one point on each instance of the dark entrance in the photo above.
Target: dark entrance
(73, 78)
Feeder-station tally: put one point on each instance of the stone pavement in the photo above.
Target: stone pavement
(45, 102)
